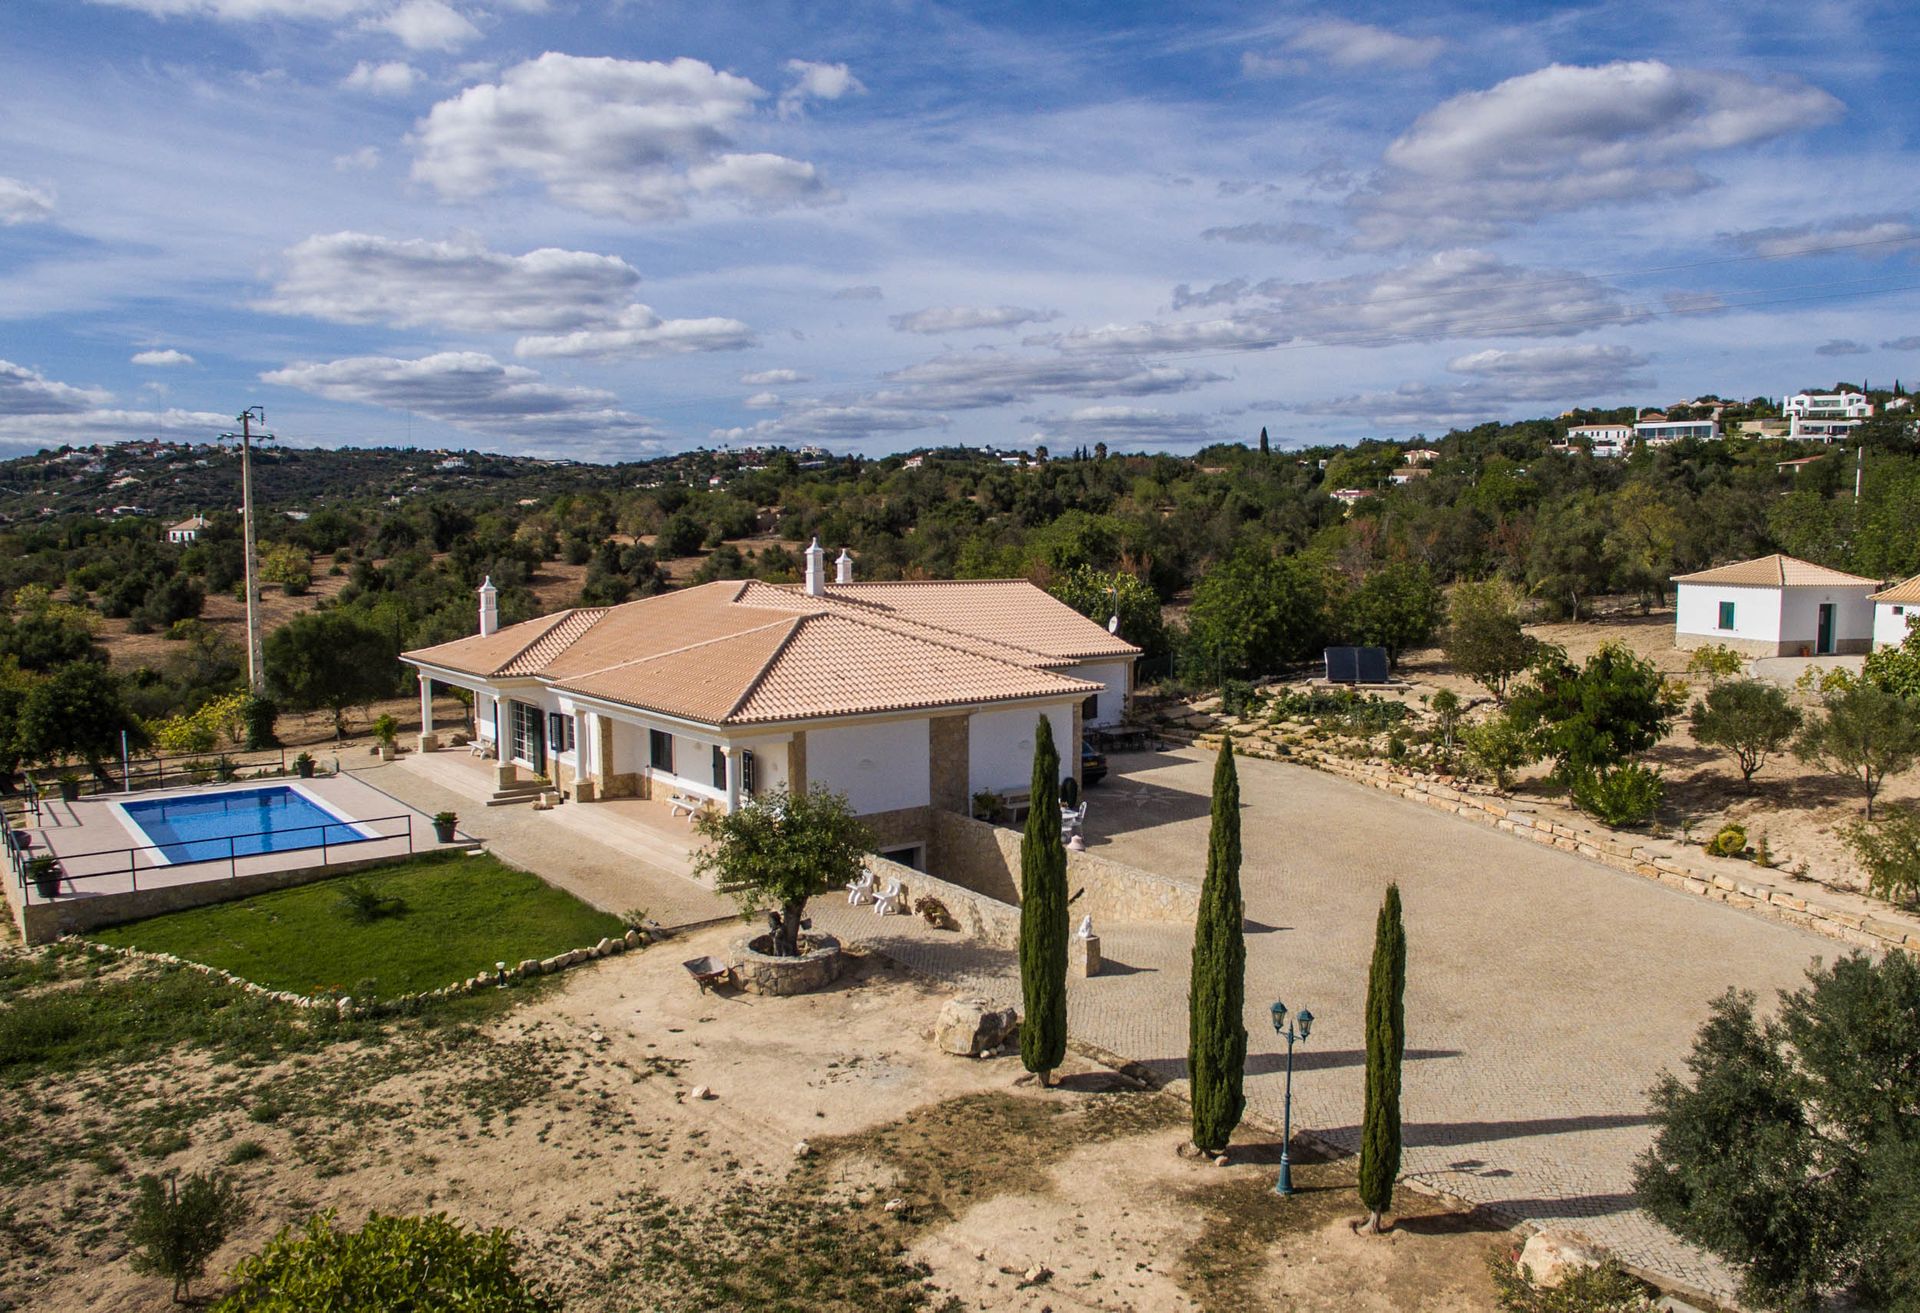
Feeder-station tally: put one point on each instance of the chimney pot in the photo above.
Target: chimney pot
(816, 570)
(489, 607)
(843, 568)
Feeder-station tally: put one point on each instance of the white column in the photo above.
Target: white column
(429, 741)
(733, 779)
(582, 756)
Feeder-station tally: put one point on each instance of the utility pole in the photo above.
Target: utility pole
(1859, 468)
(256, 666)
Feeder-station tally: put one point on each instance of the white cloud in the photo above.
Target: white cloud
(813, 81)
(1340, 44)
(1128, 424)
(762, 401)
(828, 422)
(1902, 344)
(367, 157)
(1869, 236)
(161, 359)
(1842, 346)
(963, 318)
(393, 78)
(360, 278)
(246, 11)
(1272, 234)
(992, 378)
(26, 391)
(470, 389)
(427, 25)
(1499, 384)
(1226, 293)
(864, 292)
(1566, 138)
(22, 202)
(628, 138)
(772, 377)
(641, 332)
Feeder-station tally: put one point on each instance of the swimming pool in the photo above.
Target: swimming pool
(240, 823)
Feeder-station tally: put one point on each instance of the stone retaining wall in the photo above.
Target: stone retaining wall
(402, 1003)
(978, 915)
(986, 859)
(1737, 883)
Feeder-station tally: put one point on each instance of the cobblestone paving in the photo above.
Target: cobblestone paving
(1545, 992)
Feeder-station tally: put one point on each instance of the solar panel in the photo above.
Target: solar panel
(1356, 665)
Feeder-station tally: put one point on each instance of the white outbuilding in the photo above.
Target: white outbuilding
(1775, 606)
(1894, 610)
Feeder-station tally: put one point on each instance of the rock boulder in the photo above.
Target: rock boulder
(970, 1026)
(1551, 1256)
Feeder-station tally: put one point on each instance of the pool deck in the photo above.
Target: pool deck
(109, 864)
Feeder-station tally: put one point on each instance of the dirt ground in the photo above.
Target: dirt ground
(840, 1162)
(1800, 812)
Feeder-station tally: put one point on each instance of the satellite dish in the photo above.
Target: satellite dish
(1113, 624)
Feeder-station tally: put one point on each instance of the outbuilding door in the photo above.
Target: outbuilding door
(1823, 641)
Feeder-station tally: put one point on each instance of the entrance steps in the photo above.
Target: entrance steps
(520, 791)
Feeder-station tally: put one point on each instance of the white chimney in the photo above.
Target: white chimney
(843, 568)
(816, 570)
(489, 607)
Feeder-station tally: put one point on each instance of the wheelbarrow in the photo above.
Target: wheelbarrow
(709, 972)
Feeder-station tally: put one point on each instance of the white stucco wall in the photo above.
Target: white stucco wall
(1852, 616)
(769, 762)
(1000, 746)
(1756, 612)
(1112, 677)
(1890, 621)
(880, 766)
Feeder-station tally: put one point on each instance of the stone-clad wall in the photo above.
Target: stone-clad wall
(981, 917)
(1737, 883)
(986, 858)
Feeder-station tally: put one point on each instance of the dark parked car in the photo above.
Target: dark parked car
(1093, 763)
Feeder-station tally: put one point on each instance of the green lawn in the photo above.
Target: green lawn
(457, 914)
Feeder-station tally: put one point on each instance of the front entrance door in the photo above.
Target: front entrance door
(529, 731)
(1823, 642)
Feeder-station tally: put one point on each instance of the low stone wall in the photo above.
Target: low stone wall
(43, 922)
(1727, 880)
(976, 915)
(782, 977)
(986, 858)
(378, 1007)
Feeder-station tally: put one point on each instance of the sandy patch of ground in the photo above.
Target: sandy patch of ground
(571, 1119)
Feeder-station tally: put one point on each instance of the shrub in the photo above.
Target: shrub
(361, 903)
(1730, 842)
(430, 1262)
(1603, 1289)
(1715, 663)
(1890, 850)
(175, 1227)
(1498, 747)
(1237, 698)
(1396, 748)
(258, 714)
(386, 728)
(1625, 795)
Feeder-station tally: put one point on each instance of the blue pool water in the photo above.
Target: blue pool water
(244, 822)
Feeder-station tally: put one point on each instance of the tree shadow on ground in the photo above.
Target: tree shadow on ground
(1113, 967)
(1269, 1064)
(1431, 1135)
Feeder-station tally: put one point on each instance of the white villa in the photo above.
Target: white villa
(1775, 606)
(900, 695)
(187, 530)
(1661, 432)
(1606, 440)
(1825, 416)
(1894, 610)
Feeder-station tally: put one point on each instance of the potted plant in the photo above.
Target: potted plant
(303, 765)
(443, 823)
(69, 785)
(387, 730)
(44, 871)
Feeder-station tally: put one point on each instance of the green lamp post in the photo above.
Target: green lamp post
(1304, 1022)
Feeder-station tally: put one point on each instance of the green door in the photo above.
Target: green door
(1823, 643)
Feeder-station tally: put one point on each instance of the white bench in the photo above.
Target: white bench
(681, 802)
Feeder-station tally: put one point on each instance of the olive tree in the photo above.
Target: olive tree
(776, 852)
(1748, 718)
(1867, 733)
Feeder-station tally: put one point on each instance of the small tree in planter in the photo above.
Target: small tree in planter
(303, 765)
(778, 851)
(443, 826)
(387, 730)
(44, 872)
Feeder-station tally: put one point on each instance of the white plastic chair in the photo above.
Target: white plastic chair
(887, 901)
(859, 891)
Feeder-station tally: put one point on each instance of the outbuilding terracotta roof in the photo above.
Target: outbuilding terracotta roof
(1902, 593)
(1776, 571)
(746, 652)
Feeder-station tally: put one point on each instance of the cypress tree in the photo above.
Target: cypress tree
(1263, 439)
(1217, 990)
(1386, 1042)
(1043, 916)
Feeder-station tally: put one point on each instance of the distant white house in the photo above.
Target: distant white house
(1775, 606)
(1350, 497)
(1605, 440)
(1662, 432)
(1420, 456)
(187, 530)
(1825, 416)
(1409, 475)
(1894, 610)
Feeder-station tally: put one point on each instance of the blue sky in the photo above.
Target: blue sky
(607, 228)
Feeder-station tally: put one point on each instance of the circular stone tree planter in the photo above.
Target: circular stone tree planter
(759, 972)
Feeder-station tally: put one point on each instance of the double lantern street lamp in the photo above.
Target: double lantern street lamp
(1304, 1021)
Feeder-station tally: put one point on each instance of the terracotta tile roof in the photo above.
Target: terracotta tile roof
(1905, 592)
(1776, 571)
(747, 652)
(1010, 611)
(490, 654)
